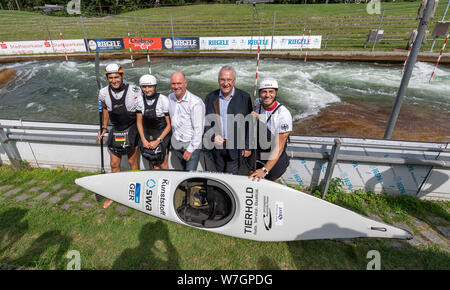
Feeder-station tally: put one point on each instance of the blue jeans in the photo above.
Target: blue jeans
(192, 163)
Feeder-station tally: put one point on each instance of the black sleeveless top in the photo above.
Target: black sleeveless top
(120, 118)
(153, 125)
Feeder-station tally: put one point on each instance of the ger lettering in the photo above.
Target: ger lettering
(131, 190)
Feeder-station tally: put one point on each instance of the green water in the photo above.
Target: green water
(59, 92)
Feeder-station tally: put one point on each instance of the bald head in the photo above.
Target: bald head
(178, 84)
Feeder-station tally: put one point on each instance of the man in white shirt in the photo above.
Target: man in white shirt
(187, 114)
(273, 161)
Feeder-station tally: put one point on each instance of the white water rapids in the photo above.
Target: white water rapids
(56, 91)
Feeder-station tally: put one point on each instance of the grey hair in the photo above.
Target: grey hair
(228, 67)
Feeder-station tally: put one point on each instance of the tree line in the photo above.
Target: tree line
(116, 6)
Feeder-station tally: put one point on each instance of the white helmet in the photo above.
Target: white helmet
(113, 68)
(147, 80)
(268, 84)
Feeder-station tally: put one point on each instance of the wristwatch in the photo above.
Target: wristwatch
(265, 170)
(159, 139)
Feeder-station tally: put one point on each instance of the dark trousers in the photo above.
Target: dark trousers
(276, 172)
(224, 162)
(279, 168)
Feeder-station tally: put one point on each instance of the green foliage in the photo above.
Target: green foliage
(117, 7)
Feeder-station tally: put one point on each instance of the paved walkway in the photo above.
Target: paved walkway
(69, 198)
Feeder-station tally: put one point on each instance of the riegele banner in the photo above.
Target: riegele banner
(265, 42)
(102, 44)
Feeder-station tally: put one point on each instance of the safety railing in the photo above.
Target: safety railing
(330, 150)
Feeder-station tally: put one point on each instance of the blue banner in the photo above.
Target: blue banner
(106, 44)
(181, 43)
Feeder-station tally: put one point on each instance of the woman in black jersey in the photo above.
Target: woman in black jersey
(153, 123)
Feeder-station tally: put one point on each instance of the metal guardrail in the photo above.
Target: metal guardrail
(64, 139)
(54, 139)
(368, 145)
(335, 155)
(47, 128)
(368, 159)
(58, 139)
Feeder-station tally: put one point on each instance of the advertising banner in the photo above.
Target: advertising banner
(297, 42)
(138, 43)
(265, 42)
(105, 44)
(181, 43)
(204, 43)
(227, 43)
(42, 46)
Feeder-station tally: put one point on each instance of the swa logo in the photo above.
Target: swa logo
(151, 183)
(279, 213)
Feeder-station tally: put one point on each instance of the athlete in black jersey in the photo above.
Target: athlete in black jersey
(272, 162)
(153, 123)
(119, 105)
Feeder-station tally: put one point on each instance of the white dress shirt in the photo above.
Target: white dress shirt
(188, 119)
(223, 105)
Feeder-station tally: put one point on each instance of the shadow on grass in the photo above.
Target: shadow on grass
(264, 263)
(12, 228)
(40, 251)
(363, 203)
(395, 254)
(155, 251)
(352, 255)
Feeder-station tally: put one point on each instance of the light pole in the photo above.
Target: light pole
(409, 68)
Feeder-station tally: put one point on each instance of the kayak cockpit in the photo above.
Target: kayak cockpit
(204, 203)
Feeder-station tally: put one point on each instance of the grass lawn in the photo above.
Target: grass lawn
(236, 12)
(40, 235)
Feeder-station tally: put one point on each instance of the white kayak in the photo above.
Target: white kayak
(236, 206)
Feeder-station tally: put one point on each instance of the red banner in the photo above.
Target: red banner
(138, 43)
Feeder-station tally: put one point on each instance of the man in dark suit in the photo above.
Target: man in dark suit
(225, 104)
